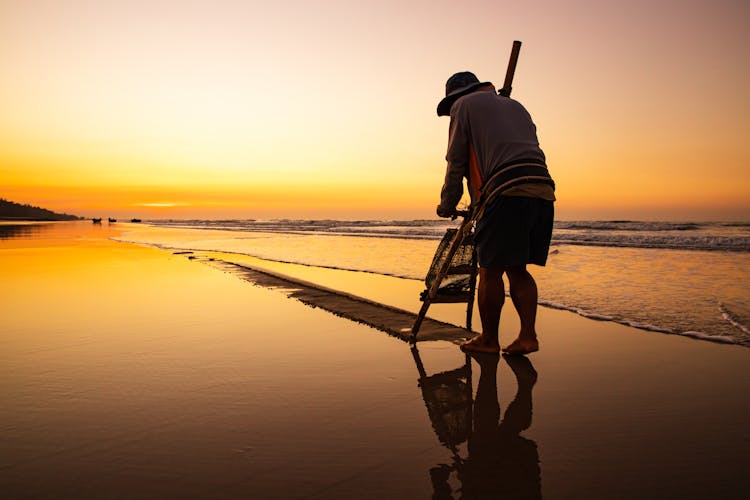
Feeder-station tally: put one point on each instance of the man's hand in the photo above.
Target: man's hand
(446, 212)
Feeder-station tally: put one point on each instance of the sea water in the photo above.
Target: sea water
(687, 278)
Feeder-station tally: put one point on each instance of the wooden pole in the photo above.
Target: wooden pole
(511, 71)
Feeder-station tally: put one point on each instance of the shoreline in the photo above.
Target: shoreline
(646, 289)
(296, 272)
(151, 374)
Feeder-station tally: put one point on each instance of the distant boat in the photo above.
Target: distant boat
(97, 221)
(135, 220)
(111, 220)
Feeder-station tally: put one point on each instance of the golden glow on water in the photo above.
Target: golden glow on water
(131, 371)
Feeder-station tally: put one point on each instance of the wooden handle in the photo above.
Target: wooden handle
(507, 86)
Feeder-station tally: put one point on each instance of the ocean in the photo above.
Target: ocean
(688, 278)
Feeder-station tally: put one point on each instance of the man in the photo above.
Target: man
(493, 143)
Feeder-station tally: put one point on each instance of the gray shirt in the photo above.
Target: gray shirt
(499, 129)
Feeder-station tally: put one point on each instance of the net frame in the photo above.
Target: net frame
(457, 282)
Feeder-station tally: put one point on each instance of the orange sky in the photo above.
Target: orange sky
(327, 109)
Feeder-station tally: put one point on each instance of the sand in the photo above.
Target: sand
(131, 372)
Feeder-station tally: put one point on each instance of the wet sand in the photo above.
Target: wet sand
(132, 372)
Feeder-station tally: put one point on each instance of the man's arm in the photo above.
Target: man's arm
(458, 162)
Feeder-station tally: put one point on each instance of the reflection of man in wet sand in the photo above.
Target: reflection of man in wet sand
(501, 463)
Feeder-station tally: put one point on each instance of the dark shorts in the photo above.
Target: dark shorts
(514, 231)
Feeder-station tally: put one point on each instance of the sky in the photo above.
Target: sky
(326, 109)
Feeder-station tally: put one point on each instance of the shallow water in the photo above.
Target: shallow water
(128, 372)
(689, 278)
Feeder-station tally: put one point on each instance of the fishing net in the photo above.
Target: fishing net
(456, 284)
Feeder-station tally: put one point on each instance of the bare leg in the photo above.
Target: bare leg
(491, 297)
(523, 292)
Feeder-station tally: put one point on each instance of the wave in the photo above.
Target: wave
(627, 225)
(333, 225)
(680, 242)
(734, 319)
(296, 224)
(414, 229)
(708, 236)
(731, 237)
(722, 339)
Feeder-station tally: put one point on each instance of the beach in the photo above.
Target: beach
(130, 371)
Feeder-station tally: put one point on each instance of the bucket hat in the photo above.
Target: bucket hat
(457, 86)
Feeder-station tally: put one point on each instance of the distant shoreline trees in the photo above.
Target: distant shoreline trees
(15, 211)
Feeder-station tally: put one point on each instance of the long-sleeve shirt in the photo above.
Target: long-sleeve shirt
(498, 131)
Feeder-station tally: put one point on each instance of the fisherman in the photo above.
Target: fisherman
(492, 142)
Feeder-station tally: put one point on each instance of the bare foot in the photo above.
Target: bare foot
(520, 346)
(478, 344)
